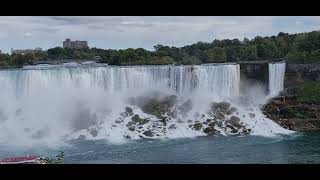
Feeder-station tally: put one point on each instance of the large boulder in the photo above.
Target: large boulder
(159, 107)
(224, 105)
(233, 129)
(132, 128)
(210, 130)
(172, 126)
(130, 123)
(148, 133)
(214, 106)
(164, 120)
(234, 120)
(94, 132)
(129, 111)
(220, 124)
(171, 100)
(139, 120)
(213, 123)
(246, 131)
(118, 121)
(219, 116)
(197, 126)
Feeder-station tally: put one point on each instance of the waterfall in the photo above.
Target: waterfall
(45, 104)
(221, 79)
(276, 78)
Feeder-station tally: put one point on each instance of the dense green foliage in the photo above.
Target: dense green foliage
(309, 92)
(299, 48)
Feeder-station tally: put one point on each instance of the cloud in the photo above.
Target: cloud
(143, 31)
(27, 34)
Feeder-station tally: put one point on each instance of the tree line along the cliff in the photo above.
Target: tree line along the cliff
(299, 48)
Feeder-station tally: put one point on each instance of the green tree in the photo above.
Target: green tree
(216, 54)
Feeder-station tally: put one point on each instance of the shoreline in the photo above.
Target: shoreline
(292, 114)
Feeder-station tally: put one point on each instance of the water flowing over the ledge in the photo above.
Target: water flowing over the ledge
(47, 104)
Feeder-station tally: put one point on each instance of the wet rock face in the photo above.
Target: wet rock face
(298, 73)
(159, 107)
(118, 121)
(130, 123)
(131, 128)
(224, 105)
(214, 106)
(197, 126)
(129, 111)
(148, 133)
(234, 120)
(213, 123)
(247, 131)
(164, 120)
(219, 116)
(210, 130)
(94, 132)
(165, 108)
(172, 126)
(140, 121)
(219, 110)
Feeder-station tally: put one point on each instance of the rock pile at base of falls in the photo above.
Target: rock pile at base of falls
(171, 115)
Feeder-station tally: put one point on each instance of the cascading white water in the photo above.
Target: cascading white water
(276, 78)
(45, 105)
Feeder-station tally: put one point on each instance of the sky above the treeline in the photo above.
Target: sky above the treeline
(121, 32)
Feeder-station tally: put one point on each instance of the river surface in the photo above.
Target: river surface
(282, 149)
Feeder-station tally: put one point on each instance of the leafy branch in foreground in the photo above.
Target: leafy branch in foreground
(58, 160)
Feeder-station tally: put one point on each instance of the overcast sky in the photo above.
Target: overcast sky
(119, 32)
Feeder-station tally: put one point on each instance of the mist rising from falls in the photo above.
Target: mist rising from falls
(47, 105)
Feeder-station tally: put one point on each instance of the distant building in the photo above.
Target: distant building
(25, 51)
(75, 44)
(0, 51)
